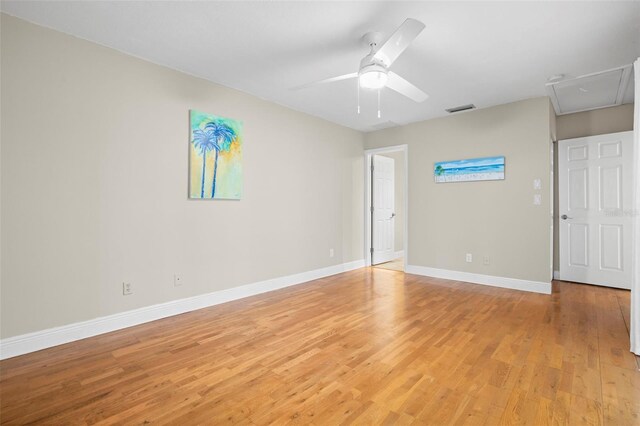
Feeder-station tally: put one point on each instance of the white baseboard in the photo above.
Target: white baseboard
(512, 283)
(31, 342)
(398, 254)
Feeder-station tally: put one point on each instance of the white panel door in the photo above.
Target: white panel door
(595, 177)
(382, 238)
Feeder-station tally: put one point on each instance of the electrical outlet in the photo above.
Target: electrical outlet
(127, 289)
(331, 253)
(177, 280)
(469, 258)
(486, 260)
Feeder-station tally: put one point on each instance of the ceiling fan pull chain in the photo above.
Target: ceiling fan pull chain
(379, 90)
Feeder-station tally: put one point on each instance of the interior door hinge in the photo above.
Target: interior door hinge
(371, 250)
(372, 167)
(371, 208)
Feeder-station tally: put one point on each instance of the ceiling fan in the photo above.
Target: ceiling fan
(374, 68)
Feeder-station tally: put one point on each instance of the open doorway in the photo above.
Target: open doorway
(386, 207)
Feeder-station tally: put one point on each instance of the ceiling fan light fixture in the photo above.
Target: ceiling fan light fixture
(373, 77)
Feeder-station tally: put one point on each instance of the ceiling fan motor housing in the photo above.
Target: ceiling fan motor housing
(369, 61)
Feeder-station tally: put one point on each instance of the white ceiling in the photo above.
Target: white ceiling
(485, 53)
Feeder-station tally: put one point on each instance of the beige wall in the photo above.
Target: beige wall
(581, 124)
(94, 185)
(596, 122)
(495, 219)
(398, 229)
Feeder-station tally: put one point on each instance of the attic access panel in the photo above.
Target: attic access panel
(599, 90)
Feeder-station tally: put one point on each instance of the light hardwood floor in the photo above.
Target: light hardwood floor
(394, 265)
(369, 346)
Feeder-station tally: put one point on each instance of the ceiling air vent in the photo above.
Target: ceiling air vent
(384, 125)
(591, 91)
(460, 108)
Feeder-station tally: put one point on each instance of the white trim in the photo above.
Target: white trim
(634, 329)
(504, 282)
(31, 342)
(556, 275)
(386, 149)
(398, 254)
(368, 153)
(552, 208)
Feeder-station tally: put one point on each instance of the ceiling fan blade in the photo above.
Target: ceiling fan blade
(327, 80)
(405, 88)
(399, 41)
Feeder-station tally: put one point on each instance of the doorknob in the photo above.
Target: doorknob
(565, 217)
(392, 215)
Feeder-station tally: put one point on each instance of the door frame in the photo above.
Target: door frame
(368, 155)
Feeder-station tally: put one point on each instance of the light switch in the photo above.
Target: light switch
(537, 199)
(537, 184)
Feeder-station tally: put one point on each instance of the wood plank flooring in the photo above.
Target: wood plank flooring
(394, 265)
(370, 346)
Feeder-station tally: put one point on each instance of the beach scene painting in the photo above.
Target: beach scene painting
(475, 169)
(215, 157)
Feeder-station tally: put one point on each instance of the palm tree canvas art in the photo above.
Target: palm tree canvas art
(215, 157)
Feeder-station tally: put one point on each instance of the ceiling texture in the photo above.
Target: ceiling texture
(484, 53)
